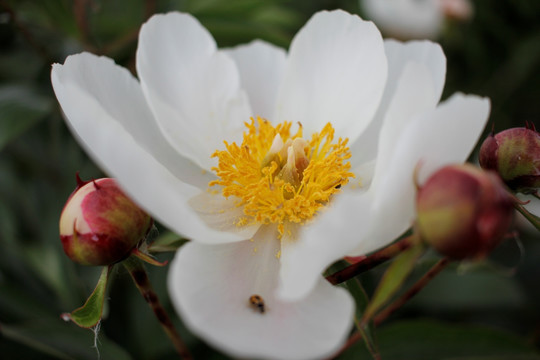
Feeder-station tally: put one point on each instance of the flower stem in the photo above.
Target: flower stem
(419, 285)
(81, 19)
(371, 261)
(140, 277)
(533, 219)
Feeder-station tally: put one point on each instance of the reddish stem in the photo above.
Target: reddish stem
(371, 261)
(81, 18)
(150, 7)
(140, 277)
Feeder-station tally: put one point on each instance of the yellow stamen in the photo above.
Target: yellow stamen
(279, 178)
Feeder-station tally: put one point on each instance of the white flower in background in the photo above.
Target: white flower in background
(415, 19)
(300, 195)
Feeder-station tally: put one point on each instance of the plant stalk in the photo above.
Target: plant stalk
(140, 277)
(371, 261)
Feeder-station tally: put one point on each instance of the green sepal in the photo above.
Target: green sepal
(89, 314)
(147, 258)
(167, 242)
(533, 219)
(393, 279)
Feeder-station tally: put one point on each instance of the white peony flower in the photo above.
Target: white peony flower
(415, 19)
(250, 282)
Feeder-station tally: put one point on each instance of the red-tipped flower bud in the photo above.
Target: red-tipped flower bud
(463, 212)
(100, 225)
(515, 155)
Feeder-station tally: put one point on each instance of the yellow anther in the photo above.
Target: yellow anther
(279, 178)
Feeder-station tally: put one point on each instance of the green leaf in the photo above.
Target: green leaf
(393, 279)
(89, 314)
(54, 338)
(20, 108)
(367, 331)
(429, 340)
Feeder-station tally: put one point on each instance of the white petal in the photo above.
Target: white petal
(425, 52)
(120, 95)
(101, 102)
(435, 139)
(358, 223)
(261, 67)
(193, 90)
(414, 96)
(335, 73)
(399, 55)
(222, 214)
(329, 238)
(210, 287)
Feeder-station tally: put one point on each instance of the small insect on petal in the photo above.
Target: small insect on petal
(257, 303)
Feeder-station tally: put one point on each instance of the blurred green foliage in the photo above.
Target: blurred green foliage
(480, 313)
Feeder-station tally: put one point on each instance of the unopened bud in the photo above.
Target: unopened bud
(515, 155)
(100, 225)
(463, 212)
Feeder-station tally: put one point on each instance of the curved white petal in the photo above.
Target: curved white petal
(105, 109)
(425, 52)
(437, 138)
(348, 222)
(399, 55)
(120, 95)
(357, 223)
(335, 73)
(210, 286)
(193, 90)
(329, 238)
(414, 96)
(261, 66)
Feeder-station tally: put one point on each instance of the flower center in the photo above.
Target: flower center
(279, 178)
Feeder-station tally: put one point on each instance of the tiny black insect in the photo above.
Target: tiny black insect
(257, 303)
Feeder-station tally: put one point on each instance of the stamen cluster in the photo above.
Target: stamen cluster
(279, 178)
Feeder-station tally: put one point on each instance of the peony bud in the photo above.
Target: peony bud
(463, 212)
(515, 155)
(99, 225)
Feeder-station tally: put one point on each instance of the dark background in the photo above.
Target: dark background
(471, 311)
